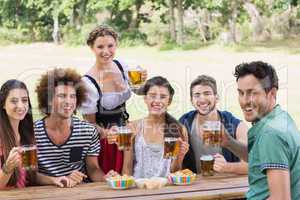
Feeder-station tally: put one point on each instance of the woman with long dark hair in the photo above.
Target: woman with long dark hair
(16, 129)
(146, 157)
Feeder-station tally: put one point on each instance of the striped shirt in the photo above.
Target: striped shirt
(61, 160)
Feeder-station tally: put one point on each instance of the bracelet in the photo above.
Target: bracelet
(4, 170)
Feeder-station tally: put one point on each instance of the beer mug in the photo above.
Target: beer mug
(135, 77)
(124, 138)
(171, 147)
(29, 157)
(207, 165)
(212, 133)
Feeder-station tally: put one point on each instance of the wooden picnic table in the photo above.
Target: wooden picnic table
(217, 187)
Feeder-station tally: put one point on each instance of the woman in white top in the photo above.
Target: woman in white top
(108, 90)
(145, 159)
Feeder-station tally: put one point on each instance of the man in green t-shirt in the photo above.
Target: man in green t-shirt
(273, 141)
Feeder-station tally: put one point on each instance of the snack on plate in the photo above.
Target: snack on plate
(121, 182)
(151, 183)
(182, 177)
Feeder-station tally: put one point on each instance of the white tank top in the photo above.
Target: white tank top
(148, 158)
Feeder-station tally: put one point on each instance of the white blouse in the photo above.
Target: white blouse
(109, 100)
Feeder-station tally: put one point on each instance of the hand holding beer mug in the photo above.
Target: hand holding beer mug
(171, 147)
(112, 135)
(207, 165)
(212, 133)
(124, 137)
(29, 157)
(137, 77)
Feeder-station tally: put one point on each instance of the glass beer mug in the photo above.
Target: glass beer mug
(207, 165)
(212, 133)
(124, 138)
(29, 157)
(135, 77)
(171, 147)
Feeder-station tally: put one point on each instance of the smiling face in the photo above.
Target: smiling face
(204, 99)
(157, 100)
(255, 102)
(64, 101)
(17, 104)
(104, 48)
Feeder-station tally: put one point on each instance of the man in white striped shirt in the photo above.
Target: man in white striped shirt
(67, 147)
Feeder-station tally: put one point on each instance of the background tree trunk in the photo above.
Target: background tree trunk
(172, 26)
(232, 21)
(256, 20)
(180, 35)
(56, 32)
(135, 21)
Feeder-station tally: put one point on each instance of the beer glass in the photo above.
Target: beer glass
(171, 147)
(124, 138)
(212, 133)
(207, 165)
(29, 157)
(135, 77)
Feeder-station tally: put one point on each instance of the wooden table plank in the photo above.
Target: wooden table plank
(221, 186)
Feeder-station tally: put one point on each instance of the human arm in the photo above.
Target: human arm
(184, 147)
(61, 181)
(239, 148)
(91, 118)
(279, 184)
(94, 171)
(241, 167)
(221, 165)
(129, 154)
(13, 160)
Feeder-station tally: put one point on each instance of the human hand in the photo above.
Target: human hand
(144, 75)
(112, 134)
(184, 148)
(76, 177)
(111, 173)
(220, 164)
(61, 181)
(13, 160)
(225, 137)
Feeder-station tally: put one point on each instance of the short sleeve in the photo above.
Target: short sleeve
(89, 106)
(273, 151)
(94, 148)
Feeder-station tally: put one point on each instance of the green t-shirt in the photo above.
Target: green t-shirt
(273, 143)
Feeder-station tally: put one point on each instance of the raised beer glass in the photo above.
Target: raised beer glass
(212, 133)
(135, 77)
(124, 138)
(171, 147)
(29, 157)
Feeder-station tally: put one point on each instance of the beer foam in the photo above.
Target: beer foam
(212, 125)
(171, 139)
(124, 130)
(207, 158)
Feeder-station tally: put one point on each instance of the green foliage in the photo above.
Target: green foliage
(75, 37)
(10, 36)
(33, 20)
(133, 38)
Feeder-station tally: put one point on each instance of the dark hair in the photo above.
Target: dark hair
(100, 31)
(172, 126)
(7, 135)
(204, 80)
(46, 87)
(264, 72)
